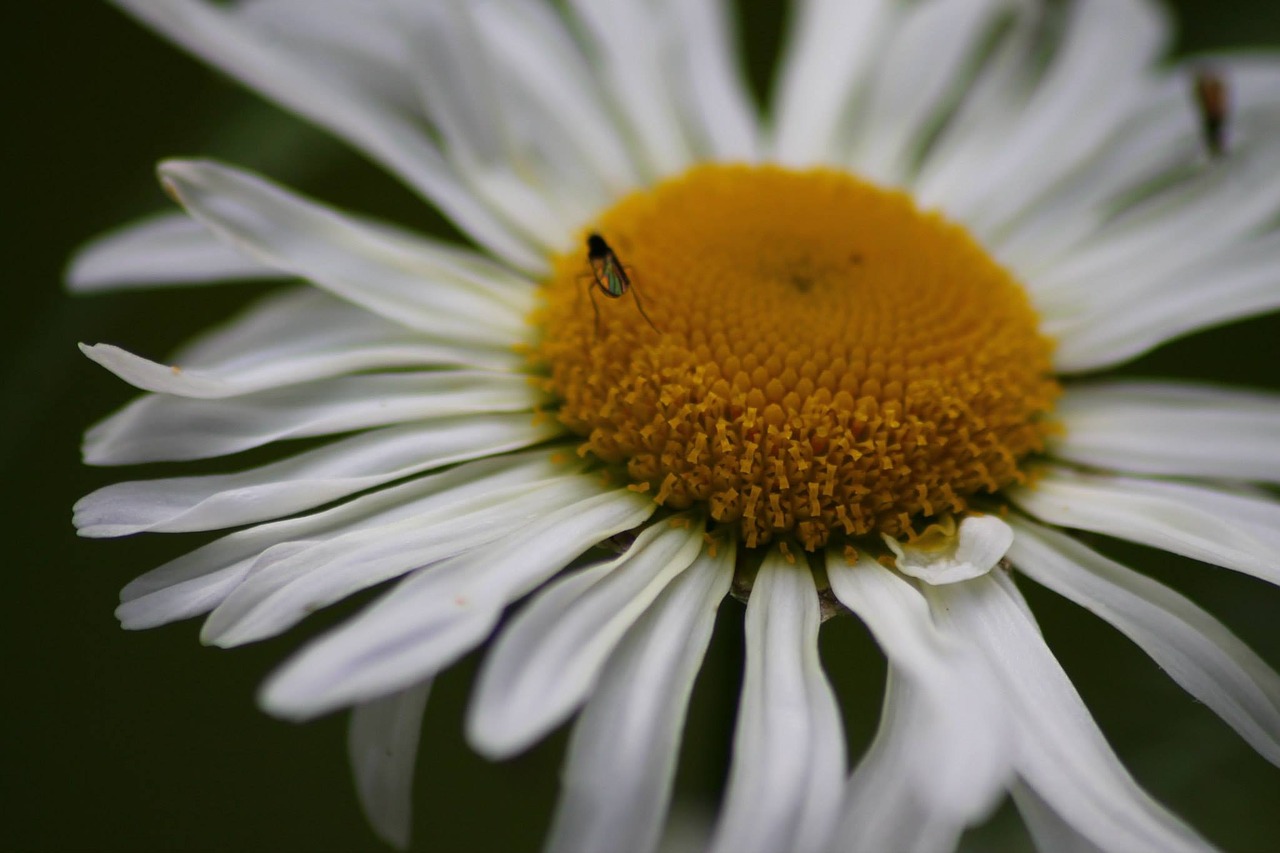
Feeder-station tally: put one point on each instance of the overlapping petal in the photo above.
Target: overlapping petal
(161, 427)
(436, 615)
(382, 743)
(621, 763)
(160, 251)
(550, 81)
(710, 84)
(1060, 752)
(941, 757)
(1236, 283)
(788, 748)
(627, 43)
(977, 545)
(1218, 207)
(831, 47)
(338, 92)
(1170, 429)
(1238, 531)
(548, 659)
(432, 289)
(1195, 649)
(284, 586)
(304, 481)
(197, 582)
(1097, 76)
(915, 82)
(290, 338)
(1049, 831)
(1158, 144)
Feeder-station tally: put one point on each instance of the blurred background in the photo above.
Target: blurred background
(149, 741)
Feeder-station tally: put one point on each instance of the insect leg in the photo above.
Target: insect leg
(591, 290)
(635, 291)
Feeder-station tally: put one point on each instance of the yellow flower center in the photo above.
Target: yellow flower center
(823, 358)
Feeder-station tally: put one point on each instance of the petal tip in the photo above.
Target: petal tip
(491, 736)
(81, 273)
(275, 698)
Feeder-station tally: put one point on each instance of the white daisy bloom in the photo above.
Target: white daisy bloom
(824, 360)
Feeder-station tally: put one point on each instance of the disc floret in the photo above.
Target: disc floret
(831, 360)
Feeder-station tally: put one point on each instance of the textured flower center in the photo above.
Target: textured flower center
(802, 352)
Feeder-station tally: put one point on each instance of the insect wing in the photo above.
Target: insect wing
(600, 273)
(615, 279)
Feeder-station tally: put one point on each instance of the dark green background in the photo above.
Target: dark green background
(147, 741)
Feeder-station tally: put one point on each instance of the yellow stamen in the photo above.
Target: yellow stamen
(826, 358)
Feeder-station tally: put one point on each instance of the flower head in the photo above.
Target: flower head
(827, 363)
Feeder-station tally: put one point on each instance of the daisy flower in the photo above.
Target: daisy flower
(840, 360)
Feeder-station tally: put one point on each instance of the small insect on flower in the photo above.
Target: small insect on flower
(609, 277)
(1213, 99)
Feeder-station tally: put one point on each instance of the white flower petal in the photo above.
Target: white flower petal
(193, 584)
(884, 809)
(913, 80)
(1101, 74)
(159, 428)
(1162, 140)
(898, 616)
(501, 84)
(292, 338)
(622, 757)
(1197, 651)
(974, 550)
(1240, 282)
(303, 481)
(1096, 78)
(1236, 531)
(414, 284)
(382, 743)
(323, 87)
(830, 48)
(305, 367)
(1060, 751)
(626, 42)
(1166, 428)
(546, 69)
(941, 758)
(453, 77)
(437, 615)
(547, 660)
(282, 588)
(167, 249)
(367, 46)
(987, 113)
(788, 766)
(283, 325)
(715, 98)
(305, 322)
(517, 158)
(1205, 216)
(1048, 830)
(198, 582)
